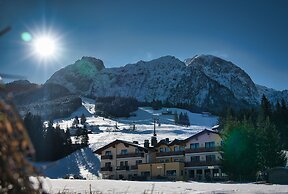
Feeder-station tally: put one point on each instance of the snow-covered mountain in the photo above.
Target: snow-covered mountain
(204, 81)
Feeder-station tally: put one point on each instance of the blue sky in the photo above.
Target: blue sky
(252, 34)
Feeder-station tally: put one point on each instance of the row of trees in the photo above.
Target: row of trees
(253, 141)
(181, 119)
(115, 106)
(50, 143)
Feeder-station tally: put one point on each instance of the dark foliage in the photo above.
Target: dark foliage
(51, 143)
(252, 140)
(116, 106)
(181, 119)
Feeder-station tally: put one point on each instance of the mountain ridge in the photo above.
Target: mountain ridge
(204, 81)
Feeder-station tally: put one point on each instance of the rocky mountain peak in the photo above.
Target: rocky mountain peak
(90, 61)
(204, 81)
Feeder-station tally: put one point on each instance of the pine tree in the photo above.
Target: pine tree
(269, 148)
(34, 126)
(78, 135)
(186, 119)
(180, 121)
(83, 119)
(239, 160)
(68, 140)
(76, 121)
(176, 118)
(85, 137)
(266, 107)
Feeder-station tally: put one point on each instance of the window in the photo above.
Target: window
(195, 158)
(176, 159)
(161, 149)
(107, 164)
(138, 162)
(176, 149)
(124, 163)
(145, 173)
(124, 151)
(171, 172)
(210, 144)
(137, 150)
(167, 149)
(108, 153)
(210, 158)
(181, 148)
(194, 145)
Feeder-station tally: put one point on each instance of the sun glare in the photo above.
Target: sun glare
(44, 46)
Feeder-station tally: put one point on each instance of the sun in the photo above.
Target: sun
(45, 46)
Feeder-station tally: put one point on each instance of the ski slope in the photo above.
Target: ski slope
(84, 163)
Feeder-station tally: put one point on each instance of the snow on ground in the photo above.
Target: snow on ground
(82, 163)
(105, 131)
(134, 187)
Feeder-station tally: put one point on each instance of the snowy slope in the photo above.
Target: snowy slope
(82, 162)
(85, 164)
(136, 187)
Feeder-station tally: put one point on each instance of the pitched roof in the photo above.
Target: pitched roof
(201, 133)
(117, 141)
(162, 142)
(177, 142)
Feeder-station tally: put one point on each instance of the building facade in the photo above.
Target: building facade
(195, 158)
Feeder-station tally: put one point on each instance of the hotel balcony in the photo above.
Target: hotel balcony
(106, 168)
(202, 163)
(130, 155)
(107, 157)
(122, 168)
(177, 153)
(199, 150)
(134, 167)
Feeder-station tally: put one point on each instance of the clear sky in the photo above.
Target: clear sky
(252, 34)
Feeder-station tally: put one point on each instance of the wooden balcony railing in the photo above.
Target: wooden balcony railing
(130, 155)
(198, 150)
(107, 157)
(106, 168)
(202, 163)
(134, 167)
(122, 168)
(177, 153)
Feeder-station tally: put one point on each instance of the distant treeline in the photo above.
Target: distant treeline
(181, 119)
(158, 104)
(115, 106)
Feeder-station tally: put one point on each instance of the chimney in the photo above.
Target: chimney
(146, 143)
(135, 142)
(153, 141)
(167, 140)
